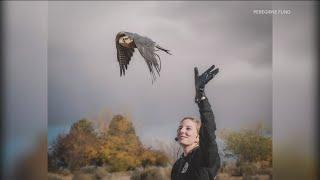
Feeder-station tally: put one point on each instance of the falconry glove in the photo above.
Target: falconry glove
(202, 80)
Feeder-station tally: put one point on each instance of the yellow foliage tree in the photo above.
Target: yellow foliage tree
(119, 148)
(122, 150)
(77, 148)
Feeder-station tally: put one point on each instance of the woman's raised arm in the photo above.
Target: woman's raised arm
(207, 143)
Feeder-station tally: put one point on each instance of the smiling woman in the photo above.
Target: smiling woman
(200, 159)
(188, 134)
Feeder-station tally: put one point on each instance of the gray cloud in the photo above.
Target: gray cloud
(83, 74)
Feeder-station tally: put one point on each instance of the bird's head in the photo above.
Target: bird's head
(126, 41)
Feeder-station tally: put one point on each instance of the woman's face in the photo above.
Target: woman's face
(188, 133)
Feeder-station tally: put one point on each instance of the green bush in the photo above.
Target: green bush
(250, 146)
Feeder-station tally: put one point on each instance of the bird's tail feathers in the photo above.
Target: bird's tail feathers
(163, 49)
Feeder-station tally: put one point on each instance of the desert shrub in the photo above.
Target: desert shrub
(231, 169)
(250, 146)
(170, 149)
(97, 172)
(83, 176)
(54, 177)
(92, 171)
(258, 177)
(161, 159)
(101, 172)
(88, 169)
(122, 161)
(265, 164)
(267, 171)
(248, 169)
(153, 158)
(152, 173)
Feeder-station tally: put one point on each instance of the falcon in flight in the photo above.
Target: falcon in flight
(125, 44)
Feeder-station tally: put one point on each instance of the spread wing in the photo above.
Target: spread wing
(147, 49)
(123, 55)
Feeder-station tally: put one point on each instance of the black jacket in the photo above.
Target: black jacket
(203, 162)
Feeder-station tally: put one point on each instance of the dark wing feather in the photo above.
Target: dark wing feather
(146, 48)
(123, 55)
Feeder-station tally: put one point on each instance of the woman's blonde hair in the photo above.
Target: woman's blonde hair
(195, 120)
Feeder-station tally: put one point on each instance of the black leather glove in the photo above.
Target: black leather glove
(202, 80)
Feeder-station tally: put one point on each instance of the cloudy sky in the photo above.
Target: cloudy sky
(60, 66)
(83, 73)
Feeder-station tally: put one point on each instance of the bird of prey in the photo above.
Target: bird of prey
(126, 42)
